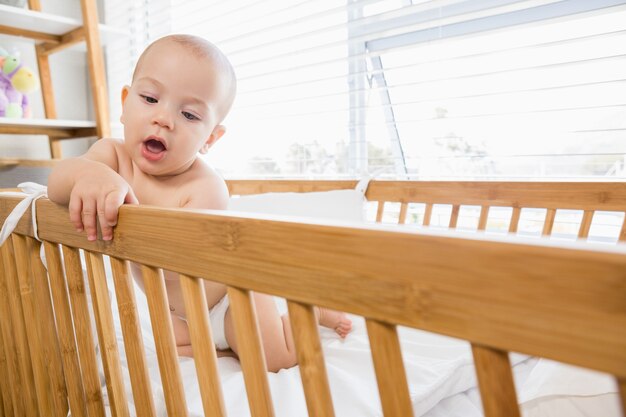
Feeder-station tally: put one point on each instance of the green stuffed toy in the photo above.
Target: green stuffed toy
(16, 81)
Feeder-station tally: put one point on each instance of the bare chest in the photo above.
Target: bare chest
(159, 192)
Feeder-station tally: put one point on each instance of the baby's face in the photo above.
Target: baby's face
(170, 112)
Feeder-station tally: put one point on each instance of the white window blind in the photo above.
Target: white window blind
(421, 89)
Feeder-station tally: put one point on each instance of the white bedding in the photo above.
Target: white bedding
(440, 374)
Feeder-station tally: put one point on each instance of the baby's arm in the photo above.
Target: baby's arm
(91, 188)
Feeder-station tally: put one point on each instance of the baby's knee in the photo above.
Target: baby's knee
(275, 361)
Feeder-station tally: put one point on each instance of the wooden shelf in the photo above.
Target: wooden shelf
(28, 163)
(46, 27)
(55, 128)
(50, 34)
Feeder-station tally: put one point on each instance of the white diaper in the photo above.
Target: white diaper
(216, 316)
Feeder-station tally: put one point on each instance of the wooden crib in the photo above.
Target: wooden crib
(560, 300)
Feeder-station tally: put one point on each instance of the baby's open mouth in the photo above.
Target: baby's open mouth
(154, 149)
(155, 146)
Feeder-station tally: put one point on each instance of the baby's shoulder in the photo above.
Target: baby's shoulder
(107, 150)
(111, 143)
(110, 146)
(205, 187)
(205, 176)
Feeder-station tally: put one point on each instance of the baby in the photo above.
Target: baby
(182, 89)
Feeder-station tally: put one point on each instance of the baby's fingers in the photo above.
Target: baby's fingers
(89, 214)
(105, 228)
(109, 212)
(76, 207)
(112, 203)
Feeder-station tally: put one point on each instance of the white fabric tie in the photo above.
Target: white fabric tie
(31, 191)
(362, 185)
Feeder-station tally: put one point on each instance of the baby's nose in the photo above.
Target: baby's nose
(163, 119)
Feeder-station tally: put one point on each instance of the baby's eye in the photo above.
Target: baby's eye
(149, 99)
(190, 116)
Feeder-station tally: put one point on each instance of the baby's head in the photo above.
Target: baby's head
(182, 88)
(202, 50)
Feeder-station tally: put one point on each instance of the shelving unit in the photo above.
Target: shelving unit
(50, 34)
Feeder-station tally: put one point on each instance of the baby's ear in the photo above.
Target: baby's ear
(125, 90)
(217, 133)
(124, 96)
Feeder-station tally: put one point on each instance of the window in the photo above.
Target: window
(438, 89)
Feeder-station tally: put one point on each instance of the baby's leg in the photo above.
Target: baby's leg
(276, 333)
(181, 336)
(275, 330)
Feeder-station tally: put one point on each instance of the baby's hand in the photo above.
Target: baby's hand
(94, 197)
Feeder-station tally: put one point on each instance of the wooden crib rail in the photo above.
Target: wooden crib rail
(560, 301)
(556, 195)
(588, 197)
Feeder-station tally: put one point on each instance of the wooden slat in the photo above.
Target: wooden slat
(16, 343)
(390, 374)
(484, 215)
(106, 334)
(34, 5)
(32, 315)
(84, 331)
(245, 187)
(6, 403)
(47, 94)
(49, 127)
(161, 320)
(380, 209)
(403, 211)
(428, 213)
(548, 222)
(203, 346)
(622, 233)
(65, 330)
(52, 366)
(29, 163)
(67, 40)
(251, 354)
(133, 341)
(2, 412)
(310, 359)
(585, 224)
(30, 34)
(45, 77)
(515, 216)
(8, 367)
(495, 380)
(454, 216)
(621, 383)
(97, 74)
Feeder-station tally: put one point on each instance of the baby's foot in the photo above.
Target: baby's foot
(335, 320)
